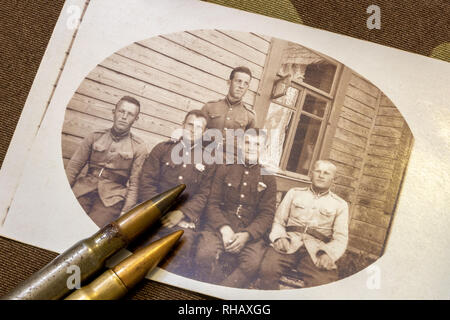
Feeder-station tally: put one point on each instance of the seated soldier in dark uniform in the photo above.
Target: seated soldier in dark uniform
(114, 157)
(240, 211)
(165, 168)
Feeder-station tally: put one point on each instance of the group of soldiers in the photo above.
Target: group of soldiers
(233, 231)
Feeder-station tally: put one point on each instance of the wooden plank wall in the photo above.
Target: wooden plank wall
(175, 73)
(369, 150)
(169, 75)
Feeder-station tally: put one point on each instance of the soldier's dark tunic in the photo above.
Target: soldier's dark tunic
(160, 173)
(244, 199)
(114, 163)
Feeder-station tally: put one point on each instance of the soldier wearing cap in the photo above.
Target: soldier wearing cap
(240, 210)
(309, 232)
(114, 157)
(171, 163)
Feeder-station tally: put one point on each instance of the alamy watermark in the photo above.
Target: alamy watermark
(74, 280)
(215, 146)
(374, 20)
(374, 277)
(74, 18)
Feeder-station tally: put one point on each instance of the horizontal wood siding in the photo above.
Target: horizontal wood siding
(368, 140)
(354, 122)
(365, 147)
(169, 75)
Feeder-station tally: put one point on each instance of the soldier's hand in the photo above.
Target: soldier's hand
(186, 225)
(172, 218)
(227, 235)
(281, 244)
(238, 242)
(325, 262)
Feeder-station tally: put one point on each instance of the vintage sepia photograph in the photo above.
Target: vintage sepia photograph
(311, 200)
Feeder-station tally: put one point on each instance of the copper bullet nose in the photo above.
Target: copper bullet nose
(165, 200)
(147, 213)
(134, 268)
(115, 283)
(91, 253)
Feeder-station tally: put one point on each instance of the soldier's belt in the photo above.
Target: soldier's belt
(108, 175)
(312, 232)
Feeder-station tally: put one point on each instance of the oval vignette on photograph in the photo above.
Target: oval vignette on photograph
(307, 196)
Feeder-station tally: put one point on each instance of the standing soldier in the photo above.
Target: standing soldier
(114, 157)
(240, 210)
(230, 112)
(164, 169)
(309, 232)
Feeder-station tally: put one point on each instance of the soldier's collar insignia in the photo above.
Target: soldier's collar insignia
(232, 103)
(319, 194)
(117, 136)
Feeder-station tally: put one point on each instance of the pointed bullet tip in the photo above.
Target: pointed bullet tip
(135, 267)
(135, 221)
(165, 200)
(170, 240)
(178, 233)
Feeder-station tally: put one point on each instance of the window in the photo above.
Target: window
(307, 67)
(306, 129)
(300, 116)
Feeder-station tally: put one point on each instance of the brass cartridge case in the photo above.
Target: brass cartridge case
(50, 283)
(115, 283)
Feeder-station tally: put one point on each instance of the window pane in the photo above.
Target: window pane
(314, 105)
(306, 66)
(303, 146)
(289, 98)
(276, 124)
(320, 75)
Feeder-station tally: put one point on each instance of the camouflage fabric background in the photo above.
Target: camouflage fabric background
(25, 28)
(418, 26)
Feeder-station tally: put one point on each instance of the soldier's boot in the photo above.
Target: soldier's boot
(237, 279)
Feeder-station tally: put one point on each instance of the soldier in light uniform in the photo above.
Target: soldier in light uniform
(309, 232)
(166, 168)
(240, 211)
(114, 157)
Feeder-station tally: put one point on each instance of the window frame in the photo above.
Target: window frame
(298, 112)
(264, 99)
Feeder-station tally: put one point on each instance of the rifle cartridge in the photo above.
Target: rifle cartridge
(90, 254)
(115, 283)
